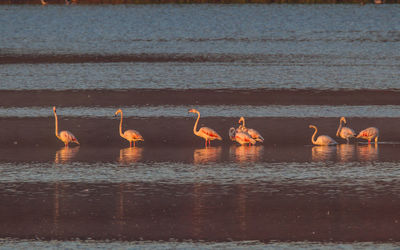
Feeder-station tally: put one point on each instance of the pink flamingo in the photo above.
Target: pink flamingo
(252, 132)
(345, 132)
(64, 136)
(130, 135)
(241, 137)
(322, 140)
(369, 134)
(204, 132)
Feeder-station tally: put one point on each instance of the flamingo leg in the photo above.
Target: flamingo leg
(209, 143)
(130, 144)
(206, 143)
(369, 141)
(376, 140)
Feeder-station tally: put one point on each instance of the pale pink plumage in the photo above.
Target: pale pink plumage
(322, 140)
(130, 135)
(65, 136)
(241, 137)
(252, 132)
(344, 132)
(369, 134)
(208, 134)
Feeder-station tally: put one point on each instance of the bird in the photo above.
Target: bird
(252, 132)
(344, 132)
(208, 134)
(130, 135)
(64, 136)
(43, 2)
(322, 140)
(369, 134)
(241, 137)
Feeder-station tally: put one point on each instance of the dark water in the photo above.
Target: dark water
(170, 192)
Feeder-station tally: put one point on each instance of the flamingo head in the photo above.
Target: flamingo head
(241, 119)
(193, 111)
(232, 133)
(342, 119)
(54, 109)
(117, 112)
(312, 126)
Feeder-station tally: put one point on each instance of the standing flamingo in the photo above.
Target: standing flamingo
(252, 132)
(322, 140)
(204, 132)
(64, 136)
(130, 135)
(345, 132)
(241, 137)
(369, 134)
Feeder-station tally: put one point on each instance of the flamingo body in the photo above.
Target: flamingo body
(130, 135)
(322, 140)
(65, 136)
(241, 137)
(369, 134)
(252, 132)
(208, 134)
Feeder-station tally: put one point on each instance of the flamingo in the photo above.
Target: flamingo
(369, 134)
(252, 132)
(130, 135)
(208, 134)
(344, 132)
(64, 136)
(43, 2)
(322, 140)
(241, 137)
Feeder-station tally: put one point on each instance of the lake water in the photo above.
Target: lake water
(170, 192)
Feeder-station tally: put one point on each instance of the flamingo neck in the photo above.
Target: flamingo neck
(243, 123)
(56, 124)
(120, 127)
(195, 125)
(340, 128)
(313, 136)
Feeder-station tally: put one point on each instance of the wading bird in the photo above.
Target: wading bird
(206, 133)
(344, 132)
(241, 137)
(130, 135)
(322, 140)
(64, 136)
(252, 132)
(369, 134)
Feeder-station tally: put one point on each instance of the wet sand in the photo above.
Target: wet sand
(178, 132)
(137, 211)
(141, 97)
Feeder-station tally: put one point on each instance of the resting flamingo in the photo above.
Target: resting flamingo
(204, 132)
(369, 134)
(64, 136)
(344, 132)
(322, 140)
(252, 132)
(241, 137)
(130, 135)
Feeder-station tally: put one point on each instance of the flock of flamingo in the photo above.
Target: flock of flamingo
(242, 134)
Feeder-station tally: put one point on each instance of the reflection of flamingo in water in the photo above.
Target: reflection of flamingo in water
(130, 155)
(65, 154)
(345, 152)
(130, 135)
(369, 134)
(246, 154)
(64, 136)
(367, 152)
(206, 155)
(241, 137)
(322, 153)
(252, 132)
(322, 139)
(204, 132)
(344, 132)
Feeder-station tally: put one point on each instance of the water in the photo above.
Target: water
(170, 192)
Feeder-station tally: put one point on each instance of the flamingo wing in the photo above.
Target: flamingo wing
(255, 135)
(133, 135)
(325, 140)
(347, 133)
(68, 137)
(244, 138)
(368, 133)
(209, 133)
